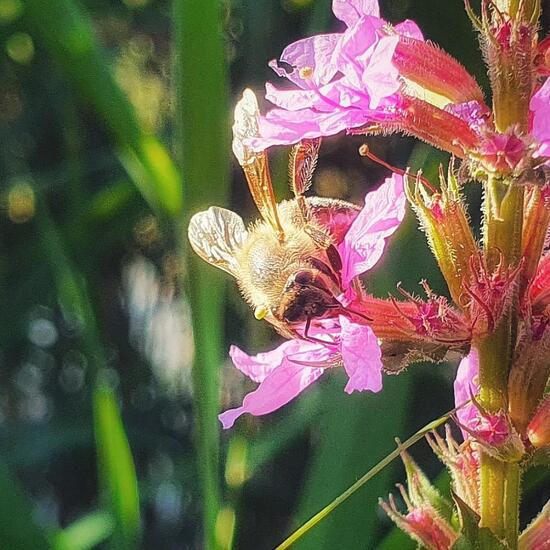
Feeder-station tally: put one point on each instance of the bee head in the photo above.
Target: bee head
(305, 296)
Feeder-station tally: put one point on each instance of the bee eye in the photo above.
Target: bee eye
(303, 278)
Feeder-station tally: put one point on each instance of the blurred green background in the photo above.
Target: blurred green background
(115, 121)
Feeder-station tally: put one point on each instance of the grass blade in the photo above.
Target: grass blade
(67, 33)
(116, 469)
(203, 145)
(85, 533)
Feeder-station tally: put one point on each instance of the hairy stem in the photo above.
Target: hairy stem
(502, 241)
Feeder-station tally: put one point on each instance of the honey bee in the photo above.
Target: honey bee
(286, 264)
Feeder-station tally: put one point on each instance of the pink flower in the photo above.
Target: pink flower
(359, 81)
(502, 152)
(492, 429)
(466, 385)
(286, 371)
(540, 108)
(343, 79)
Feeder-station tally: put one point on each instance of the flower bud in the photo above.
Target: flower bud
(539, 290)
(529, 372)
(542, 58)
(497, 436)
(490, 293)
(421, 491)
(443, 218)
(417, 117)
(537, 534)
(508, 40)
(413, 329)
(535, 227)
(428, 513)
(538, 431)
(502, 154)
(462, 462)
(435, 70)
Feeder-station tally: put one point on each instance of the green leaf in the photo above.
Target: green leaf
(352, 489)
(116, 469)
(85, 533)
(67, 32)
(350, 442)
(474, 537)
(273, 439)
(71, 286)
(17, 527)
(108, 202)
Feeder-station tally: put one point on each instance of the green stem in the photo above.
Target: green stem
(502, 240)
(492, 494)
(512, 480)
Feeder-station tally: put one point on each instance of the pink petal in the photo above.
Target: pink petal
(540, 107)
(314, 53)
(281, 127)
(364, 243)
(279, 387)
(326, 98)
(466, 385)
(381, 77)
(472, 112)
(349, 11)
(361, 355)
(290, 99)
(409, 28)
(357, 40)
(257, 367)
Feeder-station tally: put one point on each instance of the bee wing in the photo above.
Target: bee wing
(255, 164)
(215, 235)
(303, 160)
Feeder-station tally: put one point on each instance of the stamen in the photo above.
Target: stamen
(364, 151)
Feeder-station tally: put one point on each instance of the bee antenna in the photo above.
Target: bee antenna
(365, 151)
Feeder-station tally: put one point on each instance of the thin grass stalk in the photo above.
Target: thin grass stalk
(201, 88)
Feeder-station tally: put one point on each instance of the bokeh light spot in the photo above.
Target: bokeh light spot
(136, 3)
(10, 10)
(21, 203)
(42, 333)
(20, 48)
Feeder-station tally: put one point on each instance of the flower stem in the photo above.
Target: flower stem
(502, 241)
(512, 480)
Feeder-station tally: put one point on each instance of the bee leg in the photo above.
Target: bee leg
(312, 339)
(324, 268)
(334, 258)
(307, 327)
(321, 239)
